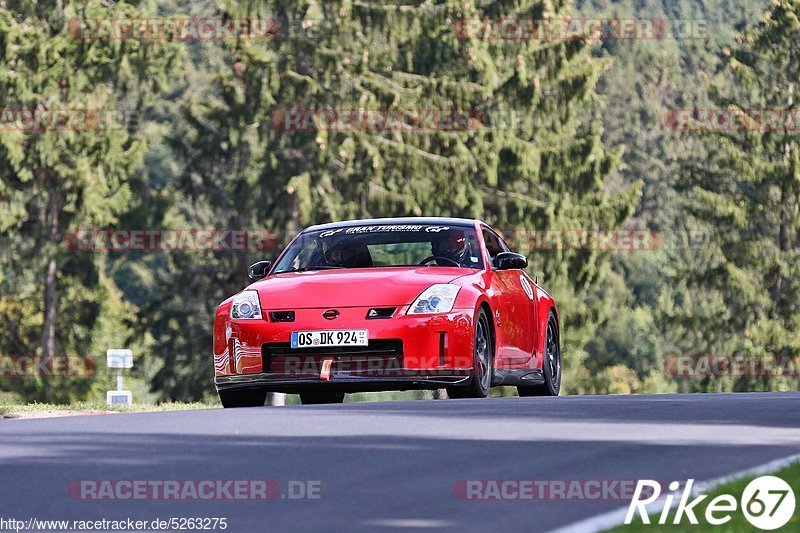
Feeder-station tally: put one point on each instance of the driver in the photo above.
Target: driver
(452, 245)
(349, 255)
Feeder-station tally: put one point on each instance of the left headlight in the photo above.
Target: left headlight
(438, 298)
(246, 306)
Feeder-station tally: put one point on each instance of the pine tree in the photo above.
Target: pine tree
(55, 178)
(745, 288)
(645, 79)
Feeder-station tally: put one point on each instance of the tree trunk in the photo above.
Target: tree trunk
(785, 220)
(49, 327)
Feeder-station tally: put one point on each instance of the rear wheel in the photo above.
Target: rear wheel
(482, 362)
(320, 397)
(243, 398)
(551, 365)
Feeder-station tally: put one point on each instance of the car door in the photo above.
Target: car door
(515, 297)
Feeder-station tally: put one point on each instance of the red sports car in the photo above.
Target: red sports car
(388, 304)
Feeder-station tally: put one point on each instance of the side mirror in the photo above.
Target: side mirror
(258, 270)
(510, 261)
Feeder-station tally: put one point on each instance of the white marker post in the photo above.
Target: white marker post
(119, 359)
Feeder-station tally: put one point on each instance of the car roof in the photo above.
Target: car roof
(394, 221)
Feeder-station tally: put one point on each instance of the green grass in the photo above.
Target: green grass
(738, 522)
(43, 408)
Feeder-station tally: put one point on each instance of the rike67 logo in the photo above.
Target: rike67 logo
(767, 503)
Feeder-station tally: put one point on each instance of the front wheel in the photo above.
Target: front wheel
(551, 365)
(242, 398)
(321, 397)
(482, 365)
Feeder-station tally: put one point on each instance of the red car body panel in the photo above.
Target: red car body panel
(436, 349)
(351, 287)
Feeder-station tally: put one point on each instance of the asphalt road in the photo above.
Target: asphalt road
(392, 466)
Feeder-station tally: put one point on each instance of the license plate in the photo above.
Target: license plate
(339, 337)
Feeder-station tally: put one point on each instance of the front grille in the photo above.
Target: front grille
(380, 357)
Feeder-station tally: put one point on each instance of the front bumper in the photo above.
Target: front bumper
(342, 383)
(428, 352)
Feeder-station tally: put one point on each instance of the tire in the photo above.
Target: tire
(551, 364)
(482, 364)
(242, 398)
(321, 397)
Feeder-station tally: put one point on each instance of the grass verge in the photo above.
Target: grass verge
(44, 408)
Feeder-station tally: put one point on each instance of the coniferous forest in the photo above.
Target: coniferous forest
(685, 133)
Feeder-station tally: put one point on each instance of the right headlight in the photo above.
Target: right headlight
(438, 298)
(246, 306)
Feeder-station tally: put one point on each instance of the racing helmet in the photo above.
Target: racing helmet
(452, 245)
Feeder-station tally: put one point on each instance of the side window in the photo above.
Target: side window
(306, 254)
(493, 243)
(504, 245)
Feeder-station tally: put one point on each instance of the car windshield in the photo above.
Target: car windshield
(382, 246)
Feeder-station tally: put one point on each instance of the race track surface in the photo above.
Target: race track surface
(392, 466)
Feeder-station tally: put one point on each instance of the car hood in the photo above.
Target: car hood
(358, 287)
